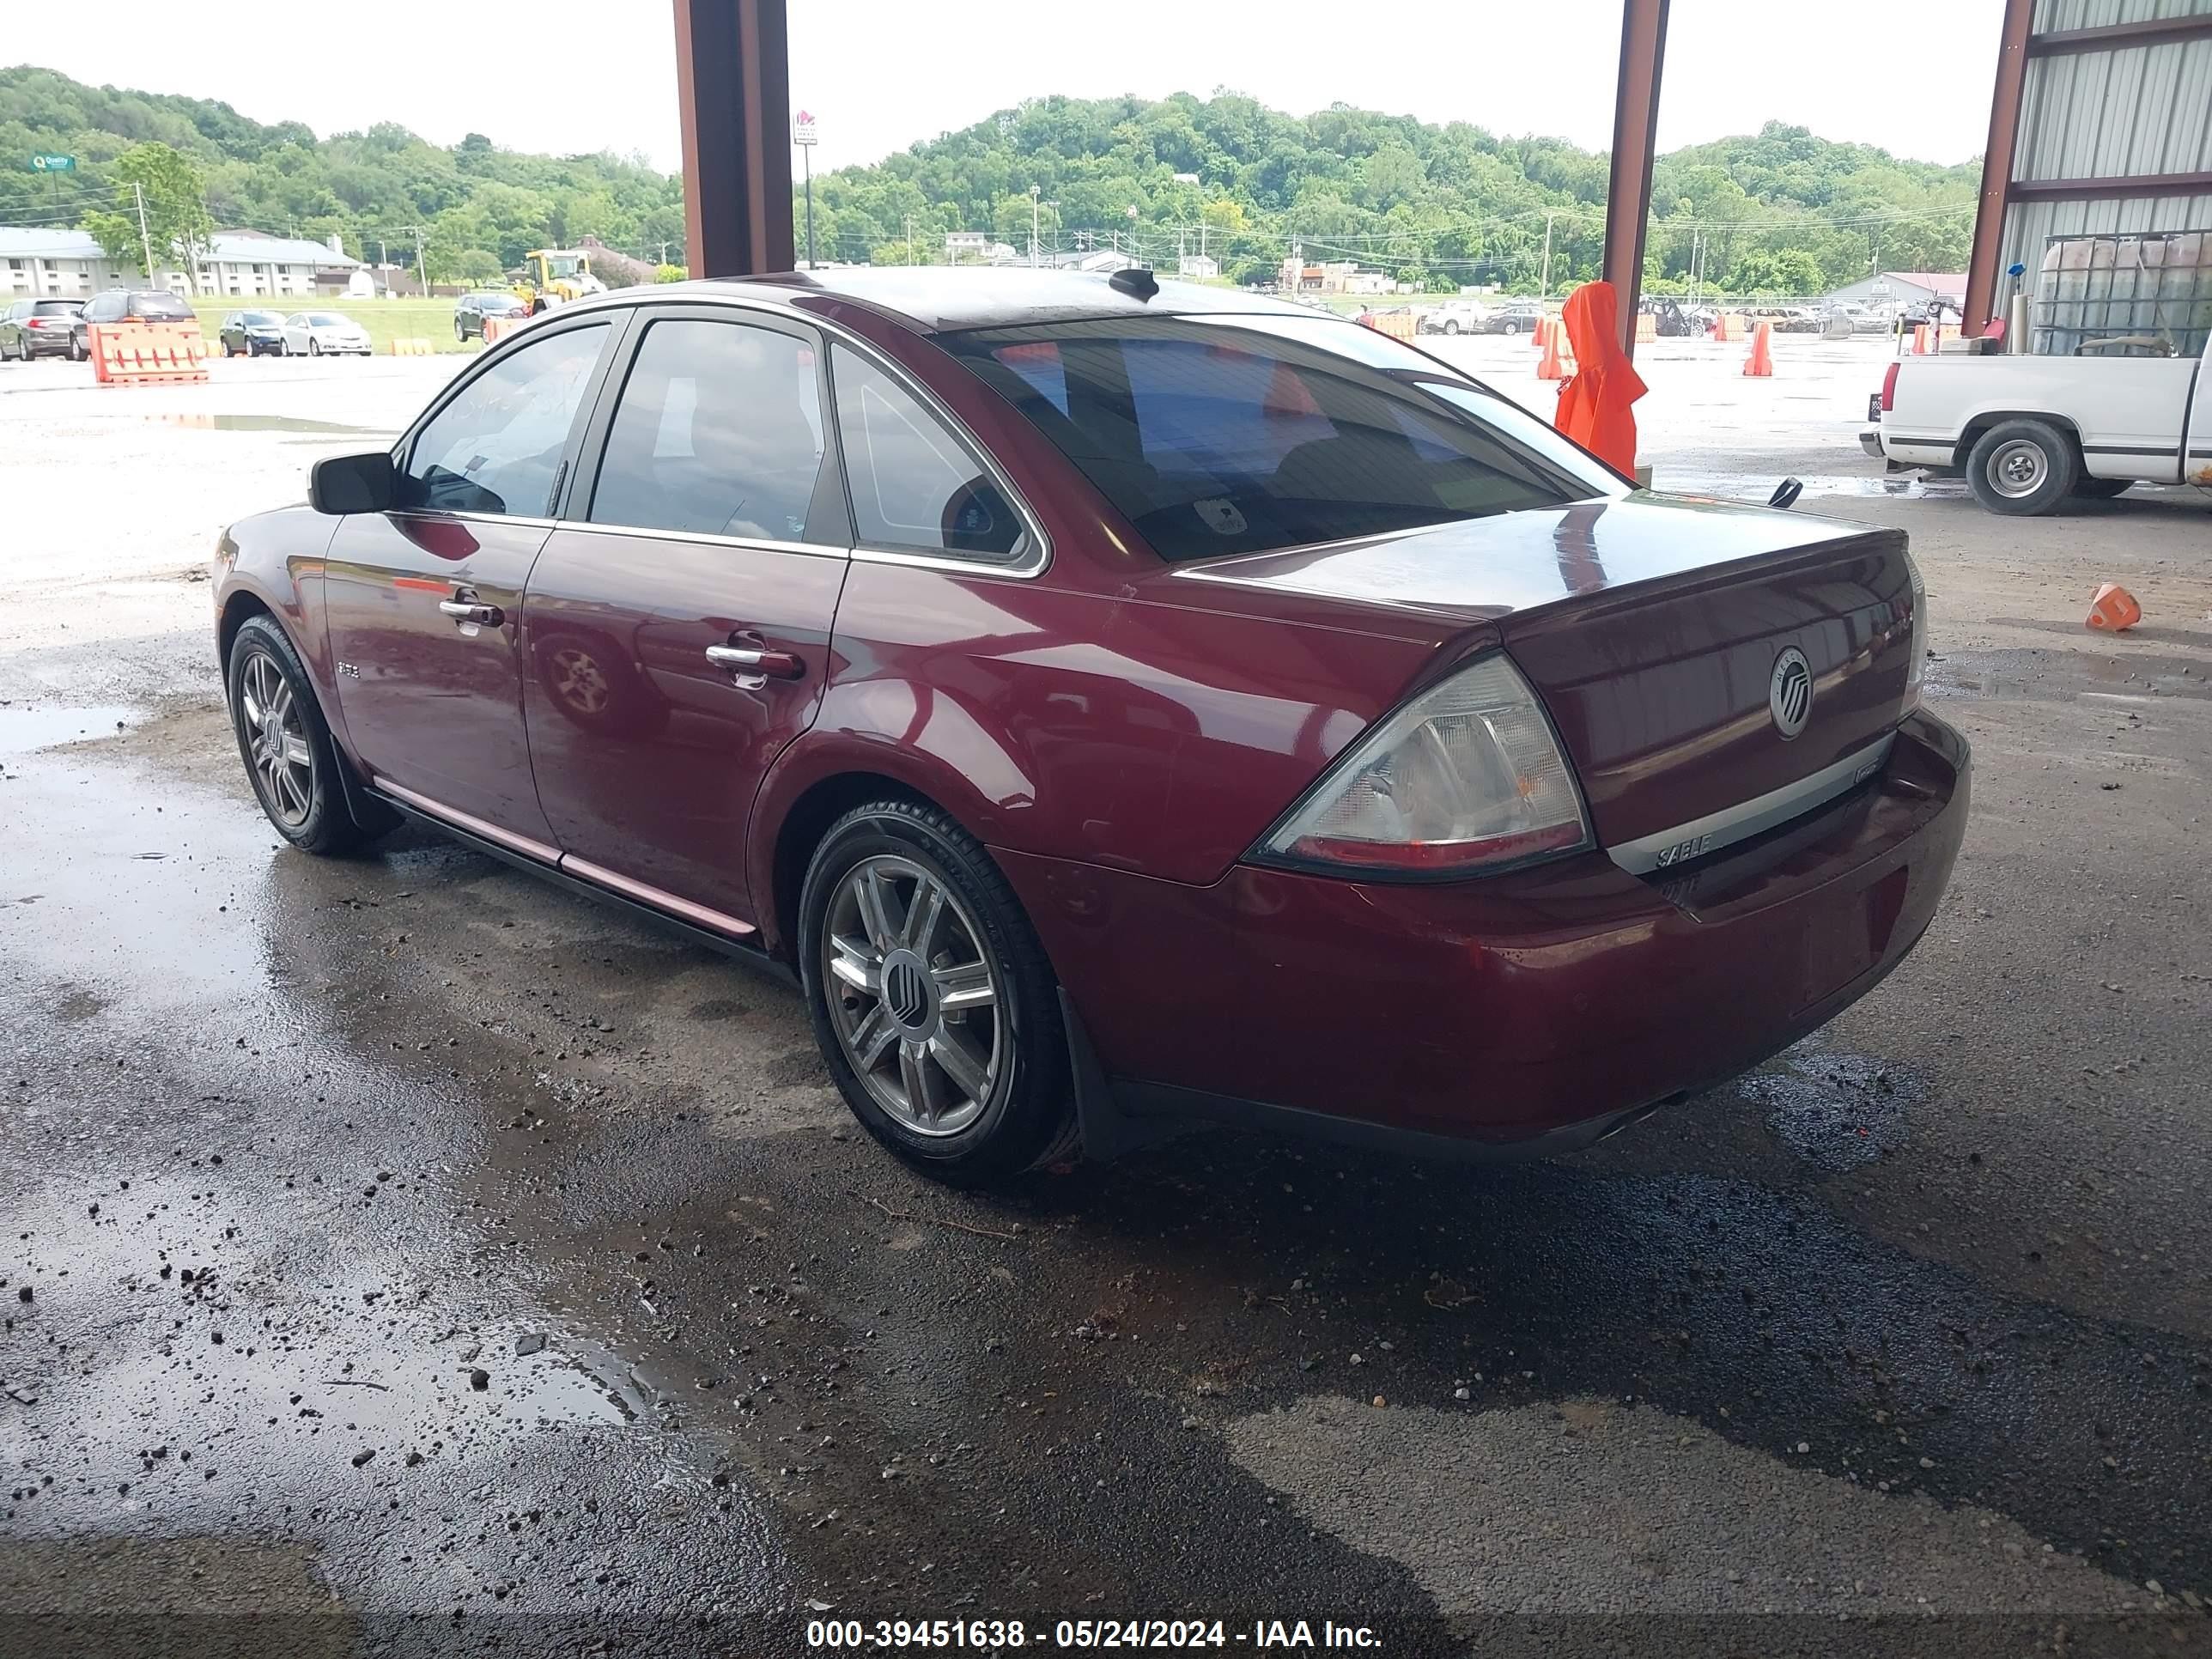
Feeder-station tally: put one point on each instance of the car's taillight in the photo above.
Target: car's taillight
(1915, 668)
(1465, 778)
(1889, 386)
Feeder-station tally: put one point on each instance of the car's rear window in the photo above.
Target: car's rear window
(160, 306)
(1239, 434)
(56, 308)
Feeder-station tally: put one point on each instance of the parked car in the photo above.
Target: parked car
(1517, 317)
(126, 304)
(2031, 433)
(323, 334)
(1453, 317)
(252, 334)
(37, 328)
(471, 310)
(1116, 702)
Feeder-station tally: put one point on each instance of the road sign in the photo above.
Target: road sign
(53, 164)
(802, 128)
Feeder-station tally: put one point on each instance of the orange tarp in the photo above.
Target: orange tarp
(1595, 407)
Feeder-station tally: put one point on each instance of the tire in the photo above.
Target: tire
(1510, 329)
(315, 347)
(78, 353)
(2022, 468)
(460, 334)
(1003, 1103)
(261, 660)
(2102, 489)
(1451, 325)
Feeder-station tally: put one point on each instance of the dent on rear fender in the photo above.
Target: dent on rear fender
(937, 725)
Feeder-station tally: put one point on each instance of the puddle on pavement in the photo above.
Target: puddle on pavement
(2066, 676)
(1756, 488)
(265, 423)
(1835, 1110)
(26, 728)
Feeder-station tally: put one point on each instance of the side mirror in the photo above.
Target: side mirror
(339, 484)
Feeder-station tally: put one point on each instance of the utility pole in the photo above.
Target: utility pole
(806, 152)
(909, 238)
(421, 271)
(1544, 292)
(145, 241)
(384, 266)
(1034, 194)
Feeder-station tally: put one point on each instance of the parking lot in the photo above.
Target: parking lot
(417, 1258)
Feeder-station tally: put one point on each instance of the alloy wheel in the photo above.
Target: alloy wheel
(276, 741)
(578, 681)
(915, 1000)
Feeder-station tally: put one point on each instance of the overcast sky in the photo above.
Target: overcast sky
(584, 74)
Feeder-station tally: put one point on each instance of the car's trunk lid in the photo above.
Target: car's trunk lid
(1654, 627)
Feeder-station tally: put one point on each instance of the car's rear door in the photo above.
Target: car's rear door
(425, 603)
(677, 628)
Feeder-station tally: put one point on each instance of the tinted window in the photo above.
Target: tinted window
(104, 309)
(914, 486)
(56, 308)
(1236, 434)
(719, 433)
(497, 446)
(160, 307)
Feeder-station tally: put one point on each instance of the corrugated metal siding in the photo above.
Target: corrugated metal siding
(2105, 115)
(2097, 114)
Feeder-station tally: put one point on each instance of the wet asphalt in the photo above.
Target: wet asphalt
(406, 1257)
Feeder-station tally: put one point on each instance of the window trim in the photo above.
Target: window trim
(1031, 562)
(637, 311)
(403, 448)
(575, 495)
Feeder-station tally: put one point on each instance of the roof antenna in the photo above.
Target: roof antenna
(1135, 282)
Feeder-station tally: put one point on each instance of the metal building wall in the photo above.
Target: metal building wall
(2111, 95)
(2112, 114)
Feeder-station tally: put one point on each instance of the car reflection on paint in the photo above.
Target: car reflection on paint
(1118, 704)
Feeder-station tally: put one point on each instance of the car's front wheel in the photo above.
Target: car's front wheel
(1510, 328)
(2022, 468)
(931, 998)
(1451, 327)
(315, 347)
(286, 744)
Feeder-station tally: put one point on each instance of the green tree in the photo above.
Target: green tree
(176, 221)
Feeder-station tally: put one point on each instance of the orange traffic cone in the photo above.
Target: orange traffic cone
(1761, 360)
(1553, 366)
(2113, 609)
(1723, 332)
(1542, 331)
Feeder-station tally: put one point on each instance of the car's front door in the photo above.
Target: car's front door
(424, 602)
(676, 632)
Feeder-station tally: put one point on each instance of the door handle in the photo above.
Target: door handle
(471, 611)
(754, 663)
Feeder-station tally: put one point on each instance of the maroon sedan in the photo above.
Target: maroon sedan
(1116, 703)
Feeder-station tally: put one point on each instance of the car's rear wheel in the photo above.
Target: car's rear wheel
(931, 997)
(286, 744)
(1451, 325)
(2022, 468)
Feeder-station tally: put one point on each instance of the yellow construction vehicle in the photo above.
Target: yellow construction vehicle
(554, 276)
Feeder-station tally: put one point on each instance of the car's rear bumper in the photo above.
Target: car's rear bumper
(1527, 1012)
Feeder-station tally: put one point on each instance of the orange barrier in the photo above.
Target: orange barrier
(1398, 325)
(144, 353)
(411, 346)
(1761, 360)
(1725, 327)
(2113, 609)
(496, 329)
(1647, 328)
(1920, 346)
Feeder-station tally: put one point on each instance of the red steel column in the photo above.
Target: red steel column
(1996, 166)
(733, 92)
(1635, 136)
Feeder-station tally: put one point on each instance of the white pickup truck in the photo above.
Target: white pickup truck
(2028, 432)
